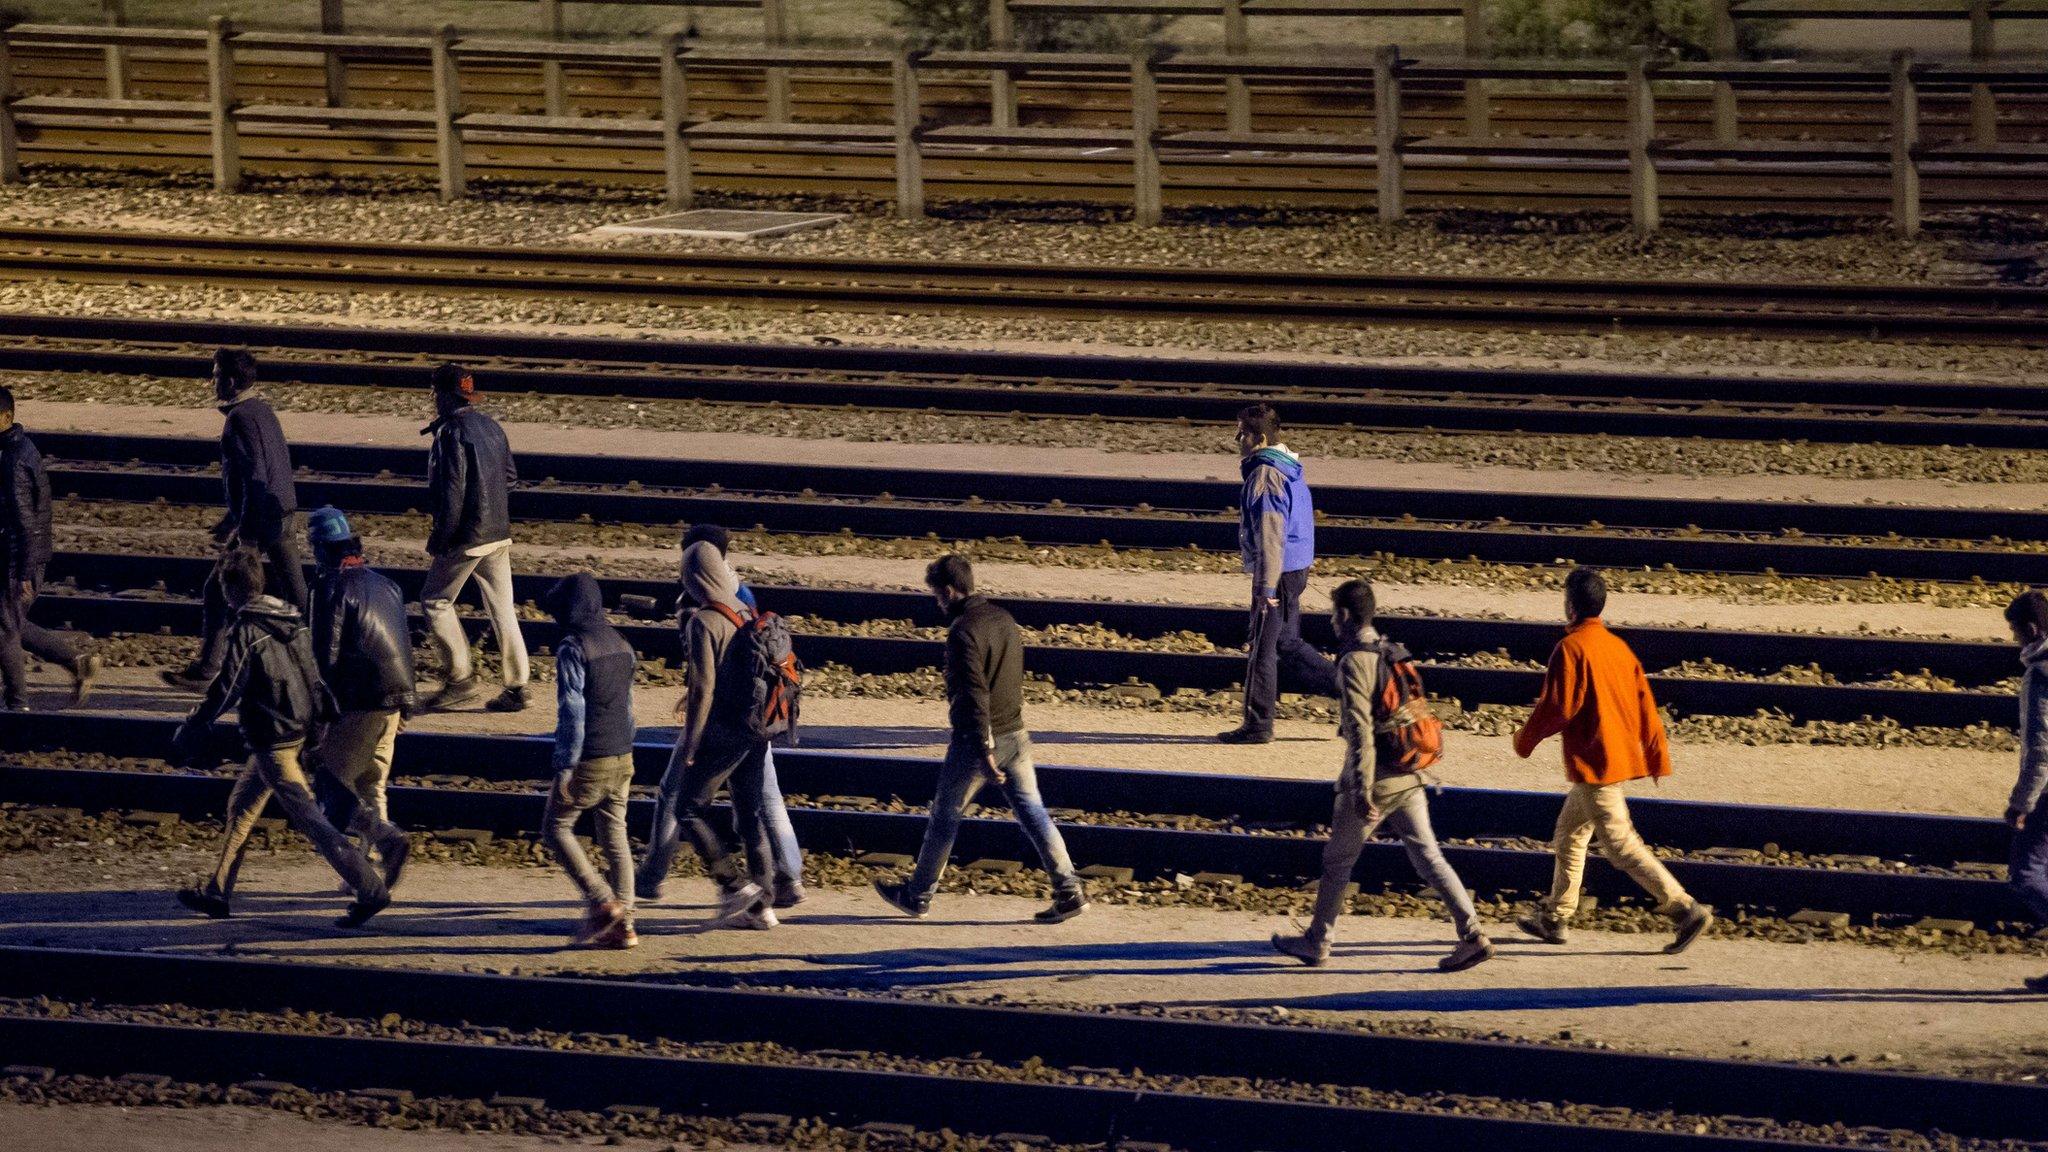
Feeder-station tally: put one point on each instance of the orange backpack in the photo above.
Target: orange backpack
(1407, 736)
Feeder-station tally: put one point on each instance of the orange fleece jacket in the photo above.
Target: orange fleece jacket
(1595, 693)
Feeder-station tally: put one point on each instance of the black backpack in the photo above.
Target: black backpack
(766, 703)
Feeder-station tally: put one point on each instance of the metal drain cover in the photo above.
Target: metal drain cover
(722, 224)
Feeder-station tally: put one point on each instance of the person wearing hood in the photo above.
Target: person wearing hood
(25, 531)
(262, 500)
(713, 746)
(985, 701)
(593, 759)
(268, 677)
(469, 482)
(1276, 535)
(362, 646)
(2026, 810)
(1370, 794)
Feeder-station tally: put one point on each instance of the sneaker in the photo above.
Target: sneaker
(897, 896)
(393, 864)
(190, 678)
(1696, 921)
(1243, 735)
(203, 902)
(647, 887)
(789, 896)
(1543, 926)
(1303, 947)
(84, 671)
(1470, 952)
(602, 921)
(456, 694)
(1065, 906)
(755, 915)
(512, 699)
(2036, 983)
(14, 704)
(360, 912)
(734, 901)
(618, 939)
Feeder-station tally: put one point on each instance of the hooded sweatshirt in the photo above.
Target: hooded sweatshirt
(268, 677)
(594, 668)
(1596, 695)
(2033, 781)
(707, 635)
(256, 471)
(1276, 529)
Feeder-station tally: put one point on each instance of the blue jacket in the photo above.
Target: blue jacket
(1276, 528)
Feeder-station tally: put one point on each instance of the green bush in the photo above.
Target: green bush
(1674, 29)
(964, 24)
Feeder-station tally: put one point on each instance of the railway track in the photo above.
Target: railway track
(1885, 311)
(1060, 385)
(936, 1066)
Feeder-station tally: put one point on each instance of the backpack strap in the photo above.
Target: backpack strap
(737, 620)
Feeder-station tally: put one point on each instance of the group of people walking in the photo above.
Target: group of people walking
(323, 678)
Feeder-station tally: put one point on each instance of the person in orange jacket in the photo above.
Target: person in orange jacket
(1596, 696)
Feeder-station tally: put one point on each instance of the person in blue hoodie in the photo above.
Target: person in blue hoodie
(1276, 535)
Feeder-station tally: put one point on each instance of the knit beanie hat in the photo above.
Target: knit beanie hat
(454, 380)
(327, 526)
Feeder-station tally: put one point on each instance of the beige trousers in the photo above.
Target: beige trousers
(356, 752)
(276, 771)
(1601, 811)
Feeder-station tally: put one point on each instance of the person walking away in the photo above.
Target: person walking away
(25, 525)
(985, 703)
(2026, 810)
(714, 747)
(1596, 696)
(262, 500)
(789, 855)
(593, 760)
(469, 479)
(1390, 740)
(1276, 535)
(362, 647)
(268, 676)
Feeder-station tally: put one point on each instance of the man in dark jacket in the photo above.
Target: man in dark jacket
(2026, 809)
(1277, 536)
(593, 761)
(469, 480)
(256, 473)
(985, 696)
(25, 531)
(268, 676)
(362, 646)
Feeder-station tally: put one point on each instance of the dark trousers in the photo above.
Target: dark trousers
(18, 632)
(687, 791)
(1277, 649)
(283, 577)
(2028, 873)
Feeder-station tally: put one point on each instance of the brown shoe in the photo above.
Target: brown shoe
(1543, 926)
(456, 695)
(604, 919)
(1696, 921)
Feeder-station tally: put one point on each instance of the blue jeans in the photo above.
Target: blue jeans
(960, 778)
(687, 791)
(2028, 873)
(789, 856)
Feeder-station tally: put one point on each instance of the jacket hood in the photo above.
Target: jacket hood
(707, 579)
(2035, 655)
(226, 405)
(575, 599)
(959, 607)
(1394, 649)
(277, 615)
(1277, 455)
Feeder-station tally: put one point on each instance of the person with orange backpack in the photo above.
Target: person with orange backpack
(1390, 738)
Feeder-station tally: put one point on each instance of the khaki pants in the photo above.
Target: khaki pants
(276, 771)
(604, 785)
(1601, 811)
(493, 574)
(355, 752)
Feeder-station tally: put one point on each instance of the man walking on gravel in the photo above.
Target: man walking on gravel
(593, 760)
(469, 481)
(362, 646)
(2027, 809)
(1276, 535)
(25, 529)
(1596, 696)
(1382, 704)
(268, 676)
(985, 701)
(262, 500)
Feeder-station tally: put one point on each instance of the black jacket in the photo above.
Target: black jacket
(256, 469)
(268, 677)
(25, 512)
(984, 672)
(361, 642)
(469, 481)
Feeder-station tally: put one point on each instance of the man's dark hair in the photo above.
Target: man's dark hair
(7, 401)
(950, 571)
(241, 574)
(1356, 599)
(2029, 607)
(454, 380)
(340, 549)
(1262, 421)
(237, 368)
(712, 534)
(1585, 593)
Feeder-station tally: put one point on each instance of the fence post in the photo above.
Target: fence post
(1644, 211)
(1905, 143)
(1146, 206)
(908, 120)
(675, 112)
(1723, 48)
(10, 139)
(1237, 97)
(1386, 130)
(553, 98)
(775, 31)
(447, 110)
(220, 92)
(334, 23)
(1478, 47)
(1983, 46)
(116, 15)
(1002, 85)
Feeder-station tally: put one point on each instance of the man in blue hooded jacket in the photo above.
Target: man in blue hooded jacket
(1276, 534)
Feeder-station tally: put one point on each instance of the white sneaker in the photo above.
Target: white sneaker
(759, 918)
(740, 899)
